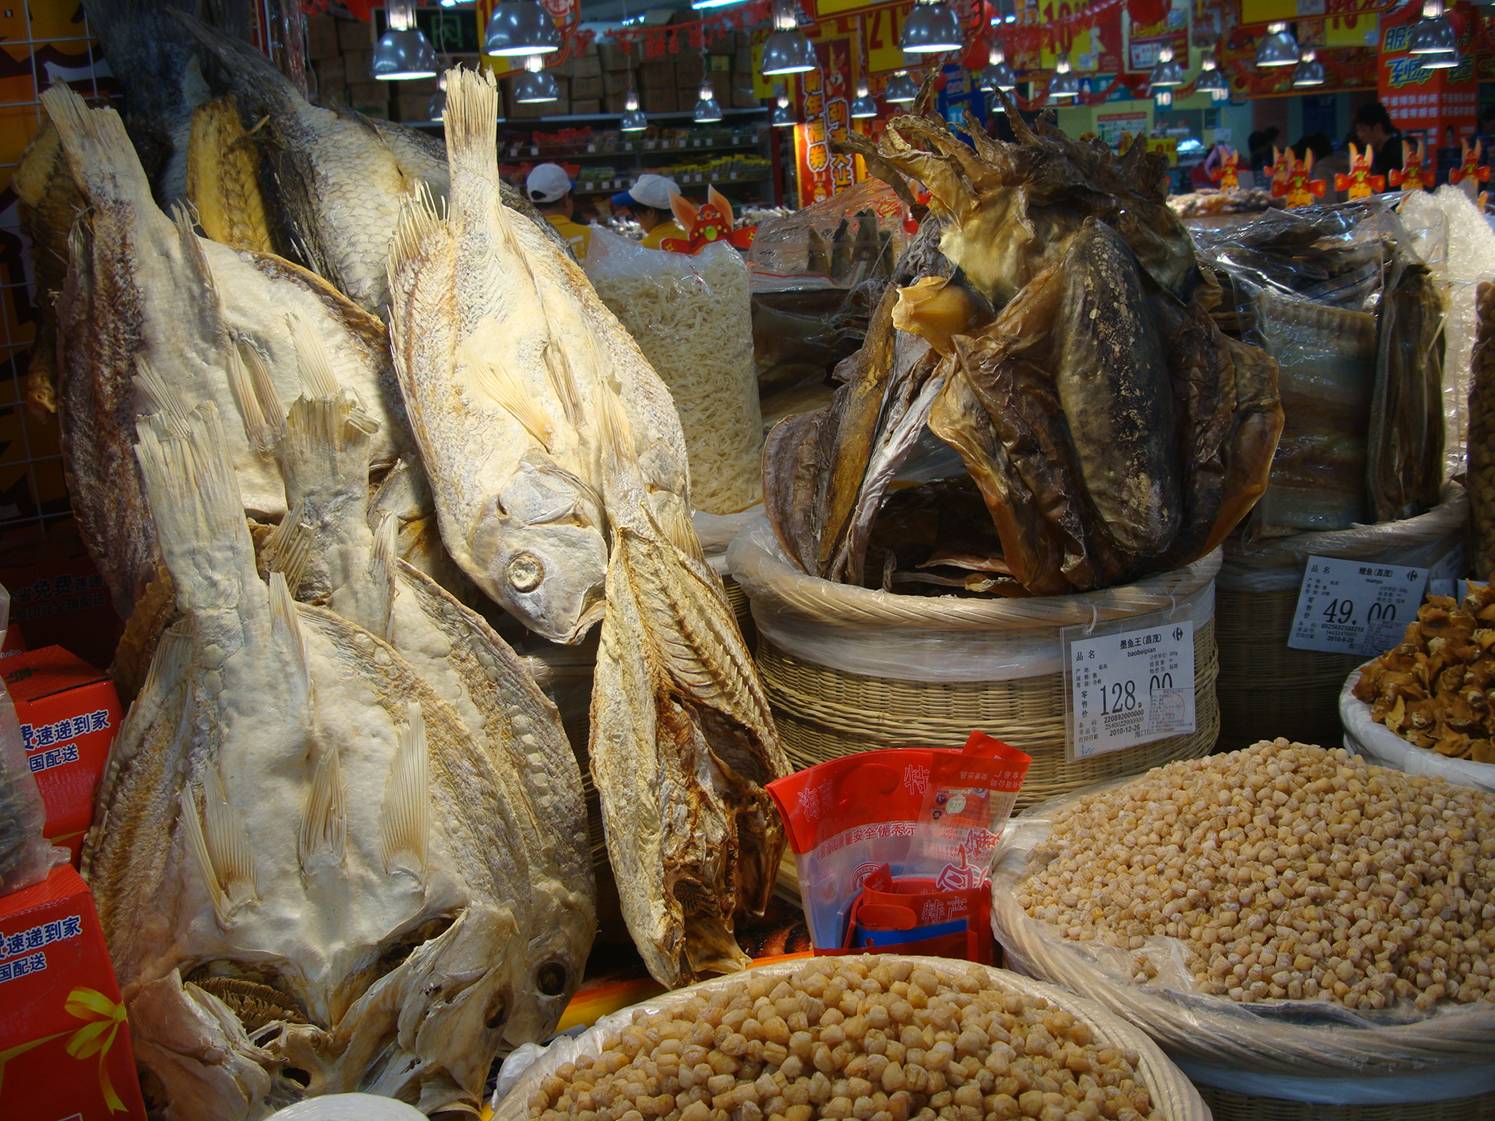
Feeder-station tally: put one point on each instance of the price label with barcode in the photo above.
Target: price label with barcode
(1128, 686)
(1355, 606)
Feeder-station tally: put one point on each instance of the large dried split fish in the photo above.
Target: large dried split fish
(49, 201)
(330, 556)
(223, 179)
(556, 457)
(503, 349)
(141, 284)
(307, 871)
(1072, 363)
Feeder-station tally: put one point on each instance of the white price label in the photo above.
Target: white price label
(1128, 687)
(1354, 606)
(1443, 577)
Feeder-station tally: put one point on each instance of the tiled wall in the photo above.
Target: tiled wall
(41, 41)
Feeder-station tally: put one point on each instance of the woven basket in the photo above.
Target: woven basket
(1268, 690)
(849, 669)
(1226, 1105)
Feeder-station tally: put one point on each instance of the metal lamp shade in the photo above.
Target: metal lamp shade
(864, 106)
(931, 28)
(1433, 33)
(520, 27)
(403, 55)
(1063, 86)
(1213, 83)
(902, 89)
(1166, 73)
(708, 110)
(1443, 60)
(534, 86)
(1278, 48)
(788, 52)
(1310, 72)
(436, 110)
(633, 120)
(700, 5)
(781, 117)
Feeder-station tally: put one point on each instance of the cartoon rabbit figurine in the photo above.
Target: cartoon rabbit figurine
(712, 221)
(1359, 183)
(1413, 174)
(1301, 190)
(1470, 173)
(1225, 172)
(1281, 169)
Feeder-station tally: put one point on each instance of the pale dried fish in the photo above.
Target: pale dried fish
(223, 179)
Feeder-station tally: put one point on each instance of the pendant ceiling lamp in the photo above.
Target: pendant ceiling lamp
(536, 84)
(403, 51)
(520, 27)
(902, 89)
(865, 105)
(1211, 81)
(1443, 60)
(1309, 72)
(1063, 86)
(1433, 34)
(788, 50)
(998, 74)
(633, 119)
(1166, 72)
(1277, 48)
(781, 117)
(702, 5)
(436, 110)
(931, 28)
(708, 110)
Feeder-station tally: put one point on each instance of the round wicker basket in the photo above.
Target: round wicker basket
(849, 669)
(1227, 1105)
(1268, 690)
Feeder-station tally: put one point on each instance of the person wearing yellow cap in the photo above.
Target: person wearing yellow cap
(648, 200)
(549, 188)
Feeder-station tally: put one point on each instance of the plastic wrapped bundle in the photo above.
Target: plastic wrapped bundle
(690, 315)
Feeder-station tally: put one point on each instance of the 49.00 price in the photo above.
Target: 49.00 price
(1342, 612)
(1121, 696)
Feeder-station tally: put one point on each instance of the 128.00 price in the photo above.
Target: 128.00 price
(1121, 696)
(1342, 612)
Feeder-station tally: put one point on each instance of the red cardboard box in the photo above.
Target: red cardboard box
(69, 713)
(15, 641)
(65, 1050)
(56, 593)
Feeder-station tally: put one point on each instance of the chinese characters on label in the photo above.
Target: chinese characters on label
(1128, 687)
(1354, 606)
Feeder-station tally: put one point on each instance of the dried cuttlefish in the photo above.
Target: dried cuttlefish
(140, 283)
(308, 873)
(1069, 359)
(330, 556)
(558, 471)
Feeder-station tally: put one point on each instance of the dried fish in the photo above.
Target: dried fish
(223, 179)
(49, 201)
(141, 284)
(309, 877)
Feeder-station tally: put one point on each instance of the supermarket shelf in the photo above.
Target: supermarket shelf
(595, 118)
(725, 181)
(681, 150)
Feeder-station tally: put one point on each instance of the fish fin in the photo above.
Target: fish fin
(97, 149)
(223, 178)
(421, 236)
(324, 818)
(285, 630)
(254, 393)
(170, 661)
(288, 551)
(158, 396)
(228, 845)
(471, 125)
(383, 568)
(506, 391)
(197, 845)
(317, 378)
(406, 799)
(194, 499)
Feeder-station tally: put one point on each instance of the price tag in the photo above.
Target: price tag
(1354, 606)
(1127, 684)
(1443, 577)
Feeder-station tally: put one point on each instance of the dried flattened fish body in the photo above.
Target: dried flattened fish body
(502, 349)
(140, 283)
(321, 894)
(48, 201)
(329, 554)
(223, 179)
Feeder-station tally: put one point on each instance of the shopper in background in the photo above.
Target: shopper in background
(549, 188)
(1374, 129)
(648, 200)
(1259, 148)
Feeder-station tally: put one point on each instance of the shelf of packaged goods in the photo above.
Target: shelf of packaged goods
(592, 118)
(713, 181)
(628, 153)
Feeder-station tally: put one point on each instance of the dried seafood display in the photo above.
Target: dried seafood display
(1209, 203)
(1436, 688)
(1070, 361)
(311, 879)
(1482, 434)
(141, 284)
(557, 466)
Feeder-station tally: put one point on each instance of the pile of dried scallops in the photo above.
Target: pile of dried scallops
(342, 842)
(1436, 688)
(1104, 427)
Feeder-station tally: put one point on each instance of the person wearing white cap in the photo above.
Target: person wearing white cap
(648, 200)
(549, 188)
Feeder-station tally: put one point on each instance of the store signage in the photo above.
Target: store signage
(825, 98)
(1422, 100)
(1112, 128)
(1127, 684)
(1355, 606)
(1145, 40)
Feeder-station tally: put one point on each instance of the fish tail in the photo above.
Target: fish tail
(97, 149)
(255, 81)
(472, 124)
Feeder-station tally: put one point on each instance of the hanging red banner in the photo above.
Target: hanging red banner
(824, 104)
(1422, 101)
(1145, 40)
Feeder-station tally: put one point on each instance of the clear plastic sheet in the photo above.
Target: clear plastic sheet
(940, 638)
(1457, 242)
(1312, 1051)
(820, 240)
(1378, 743)
(691, 316)
(25, 855)
(1276, 564)
(1172, 1095)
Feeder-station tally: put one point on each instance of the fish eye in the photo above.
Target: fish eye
(525, 572)
(498, 1012)
(551, 978)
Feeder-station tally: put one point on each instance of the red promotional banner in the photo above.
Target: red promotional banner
(1145, 40)
(1423, 101)
(825, 112)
